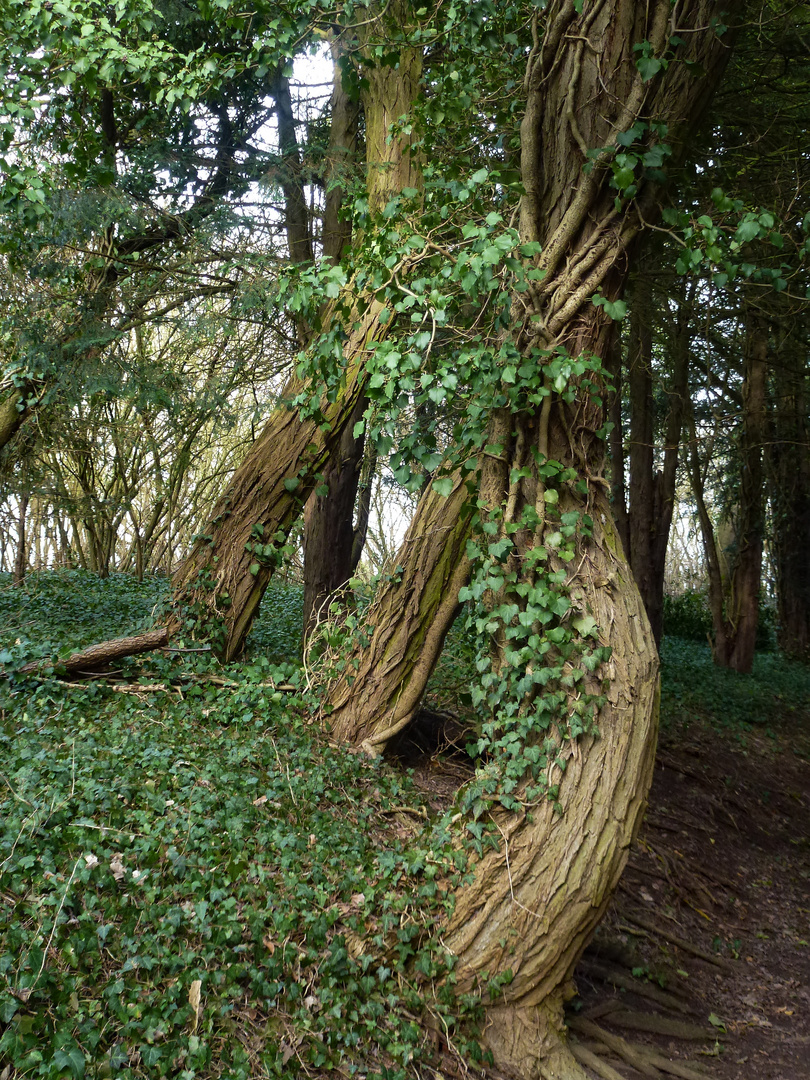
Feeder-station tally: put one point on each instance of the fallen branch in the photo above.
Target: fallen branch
(98, 655)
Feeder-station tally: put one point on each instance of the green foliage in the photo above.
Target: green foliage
(77, 606)
(688, 616)
(276, 631)
(775, 694)
(192, 841)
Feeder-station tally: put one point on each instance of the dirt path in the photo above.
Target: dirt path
(703, 963)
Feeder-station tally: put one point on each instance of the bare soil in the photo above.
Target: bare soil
(701, 967)
(703, 961)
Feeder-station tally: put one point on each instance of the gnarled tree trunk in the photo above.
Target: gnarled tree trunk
(533, 904)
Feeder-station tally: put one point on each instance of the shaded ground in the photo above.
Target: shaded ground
(714, 909)
(701, 967)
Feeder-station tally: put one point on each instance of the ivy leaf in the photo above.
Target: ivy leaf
(584, 624)
(443, 485)
(649, 66)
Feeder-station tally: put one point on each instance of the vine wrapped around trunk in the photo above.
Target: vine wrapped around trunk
(569, 664)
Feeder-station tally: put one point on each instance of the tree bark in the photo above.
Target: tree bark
(533, 905)
(734, 597)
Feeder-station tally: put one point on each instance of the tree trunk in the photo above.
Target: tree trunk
(642, 515)
(734, 597)
(789, 473)
(21, 560)
(533, 905)
(618, 486)
(652, 491)
(228, 570)
(328, 516)
(329, 524)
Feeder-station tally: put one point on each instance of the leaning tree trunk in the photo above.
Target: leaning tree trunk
(533, 904)
(225, 576)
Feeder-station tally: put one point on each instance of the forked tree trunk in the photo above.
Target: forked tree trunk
(533, 905)
(734, 598)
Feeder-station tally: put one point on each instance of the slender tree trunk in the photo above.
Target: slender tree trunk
(743, 603)
(652, 491)
(618, 486)
(21, 560)
(329, 513)
(789, 473)
(734, 597)
(642, 514)
(329, 524)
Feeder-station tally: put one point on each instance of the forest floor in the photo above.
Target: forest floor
(129, 798)
(704, 955)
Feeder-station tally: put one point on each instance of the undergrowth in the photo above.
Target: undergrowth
(193, 883)
(776, 695)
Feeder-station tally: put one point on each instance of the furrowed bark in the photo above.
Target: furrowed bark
(533, 905)
(535, 902)
(410, 619)
(224, 575)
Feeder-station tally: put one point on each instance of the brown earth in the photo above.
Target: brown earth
(714, 909)
(701, 967)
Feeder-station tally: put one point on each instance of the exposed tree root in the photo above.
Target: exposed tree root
(635, 986)
(658, 930)
(646, 1061)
